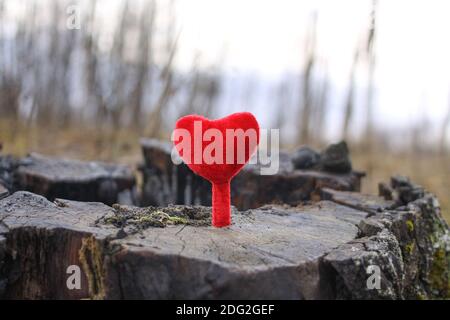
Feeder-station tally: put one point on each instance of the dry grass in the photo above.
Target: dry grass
(429, 170)
(85, 143)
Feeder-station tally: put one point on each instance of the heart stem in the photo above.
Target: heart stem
(221, 210)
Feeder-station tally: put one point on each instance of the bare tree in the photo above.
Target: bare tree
(144, 63)
(9, 87)
(117, 96)
(92, 79)
(307, 83)
(166, 93)
(444, 130)
(166, 76)
(48, 101)
(282, 102)
(349, 104)
(371, 71)
(320, 107)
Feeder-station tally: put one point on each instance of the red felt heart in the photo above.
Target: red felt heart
(217, 150)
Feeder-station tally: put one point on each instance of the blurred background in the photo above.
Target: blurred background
(86, 79)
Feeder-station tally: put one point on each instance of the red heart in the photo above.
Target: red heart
(238, 134)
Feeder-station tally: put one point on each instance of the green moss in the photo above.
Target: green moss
(114, 220)
(410, 225)
(439, 274)
(178, 220)
(149, 219)
(409, 248)
(421, 296)
(432, 238)
(143, 218)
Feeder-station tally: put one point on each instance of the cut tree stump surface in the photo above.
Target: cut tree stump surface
(320, 250)
(274, 251)
(73, 179)
(269, 237)
(365, 202)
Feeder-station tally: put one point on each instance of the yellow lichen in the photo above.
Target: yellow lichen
(91, 258)
(410, 225)
(409, 248)
(439, 273)
(421, 296)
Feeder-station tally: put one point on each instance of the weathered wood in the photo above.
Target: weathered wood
(408, 242)
(166, 183)
(366, 202)
(75, 180)
(8, 165)
(271, 252)
(39, 240)
(321, 250)
(403, 190)
(3, 191)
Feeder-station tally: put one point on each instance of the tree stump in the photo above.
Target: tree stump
(3, 191)
(165, 182)
(326, 249)
(8, 165)
(75, 180)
